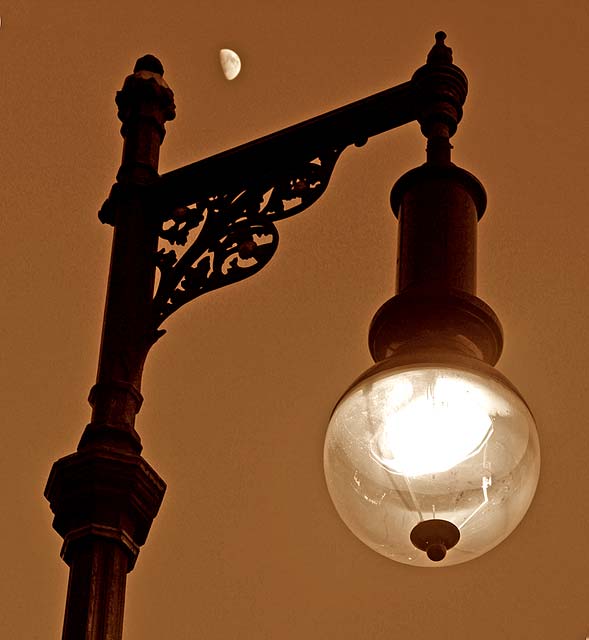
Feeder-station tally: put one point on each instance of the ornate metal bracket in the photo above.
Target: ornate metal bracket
(234, 231)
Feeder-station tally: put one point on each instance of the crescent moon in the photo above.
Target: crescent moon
(230, 63)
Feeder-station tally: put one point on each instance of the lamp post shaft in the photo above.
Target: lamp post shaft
(145, 103)
(105, 495)
(96, 592)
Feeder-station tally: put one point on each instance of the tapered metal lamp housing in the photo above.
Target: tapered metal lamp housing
(432, 456)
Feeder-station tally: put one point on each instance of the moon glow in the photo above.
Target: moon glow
(230, 63)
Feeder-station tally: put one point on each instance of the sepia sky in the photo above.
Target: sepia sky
(247, 544)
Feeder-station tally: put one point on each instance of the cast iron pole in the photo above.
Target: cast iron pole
(105, 495)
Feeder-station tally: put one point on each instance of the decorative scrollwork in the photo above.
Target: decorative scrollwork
(235, 234)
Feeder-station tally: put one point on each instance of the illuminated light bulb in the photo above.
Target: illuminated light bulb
(432, 462)
(436, 427)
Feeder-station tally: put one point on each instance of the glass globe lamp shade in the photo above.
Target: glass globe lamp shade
(432, 461)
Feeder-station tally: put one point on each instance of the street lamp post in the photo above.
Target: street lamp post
(105, 496)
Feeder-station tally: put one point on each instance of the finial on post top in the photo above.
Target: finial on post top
(440, 53)
(149, 63)
(441, 88)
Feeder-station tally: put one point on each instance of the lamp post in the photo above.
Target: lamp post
(434, 343)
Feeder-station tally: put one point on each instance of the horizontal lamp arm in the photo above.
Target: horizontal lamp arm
(282, 151)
